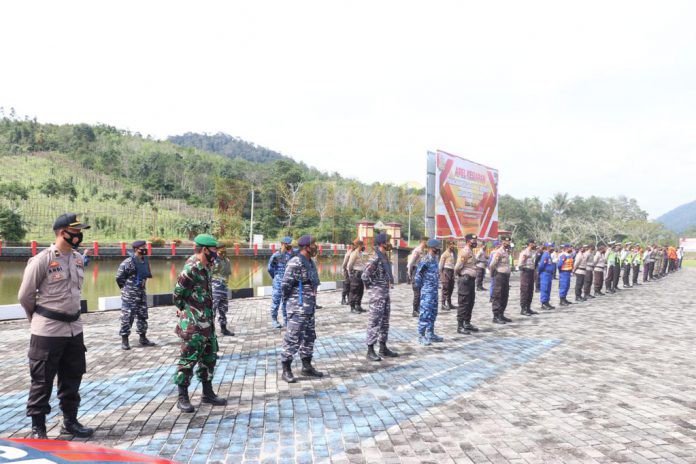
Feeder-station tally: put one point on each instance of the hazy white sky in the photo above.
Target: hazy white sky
(592, 97)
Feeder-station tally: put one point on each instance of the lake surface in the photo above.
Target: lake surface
(100, 277)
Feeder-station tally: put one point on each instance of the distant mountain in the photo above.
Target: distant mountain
(680, 218)
(229, 146)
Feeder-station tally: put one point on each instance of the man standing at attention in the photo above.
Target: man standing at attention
(50, 295)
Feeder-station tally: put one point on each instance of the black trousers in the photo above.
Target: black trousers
(626, 275)
(636, 271)
(466, 289)
(526, 288)
(579, 285)
(587, 285)
(501, 293)
(598, 280)
(356, 288)
(617, 274)
(346, 285)
(609, 279)
(480, 275)
(51, 356)
(416, 297)
(537, 281)
(447, 285)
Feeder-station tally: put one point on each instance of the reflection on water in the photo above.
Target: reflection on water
(100, 277)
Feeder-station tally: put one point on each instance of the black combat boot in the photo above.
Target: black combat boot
(72, 427)
(308, 369)
(530, 311)
(287, 372)
(344, 301)
(184, 404)
(352, 308)
(224, 331)
(568, 303)
(525, 311)
(359, 308)
(38, 427)
(386, 352)
(371, 355)
(210, 397)
(506, 319)
(563, 302)
(144, 341)
(469, 327)
(498, 320)
(461, 329)
(124, 343)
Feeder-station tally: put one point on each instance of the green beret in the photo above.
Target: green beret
(205, 240)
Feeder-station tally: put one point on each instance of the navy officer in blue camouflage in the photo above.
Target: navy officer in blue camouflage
(427, 280)
(131, 277)
(276, 269)
(299, 288)
(378, 279)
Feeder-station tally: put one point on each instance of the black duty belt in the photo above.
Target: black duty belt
(55, 315)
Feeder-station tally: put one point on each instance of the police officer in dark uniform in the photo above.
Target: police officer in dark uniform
(50, 295)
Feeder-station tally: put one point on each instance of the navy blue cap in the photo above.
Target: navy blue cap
(433, 243)
(138, 243)
(468, 237)
(381, 239)
(305, 240)
(286, 240)
(69, 220)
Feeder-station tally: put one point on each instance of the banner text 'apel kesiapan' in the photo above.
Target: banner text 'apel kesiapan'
(466, 198)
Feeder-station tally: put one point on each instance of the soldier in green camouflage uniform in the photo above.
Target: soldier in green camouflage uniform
(193, 298)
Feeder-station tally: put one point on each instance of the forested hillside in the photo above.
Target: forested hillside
(130, 186)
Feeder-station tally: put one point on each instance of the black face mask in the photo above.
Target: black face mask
(72, 236)
(473, 244)
(362, 248)
(211, 255)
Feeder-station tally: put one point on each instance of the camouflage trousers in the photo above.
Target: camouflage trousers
(277, 300)
(428, 311)
(378, 321)
(299, 335)
(201, 351)
(220, 302)
(133, 306)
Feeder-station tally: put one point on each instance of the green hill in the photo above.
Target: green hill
(129, 186)
(680, 218)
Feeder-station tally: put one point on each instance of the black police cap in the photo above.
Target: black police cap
(69, 220)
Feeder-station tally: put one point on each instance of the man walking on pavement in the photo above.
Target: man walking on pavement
(50, 296)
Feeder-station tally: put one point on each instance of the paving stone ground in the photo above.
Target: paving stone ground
(608, 381)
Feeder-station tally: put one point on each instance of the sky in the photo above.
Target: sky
(589, 98)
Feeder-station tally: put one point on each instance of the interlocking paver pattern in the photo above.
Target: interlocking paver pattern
(611, 380)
